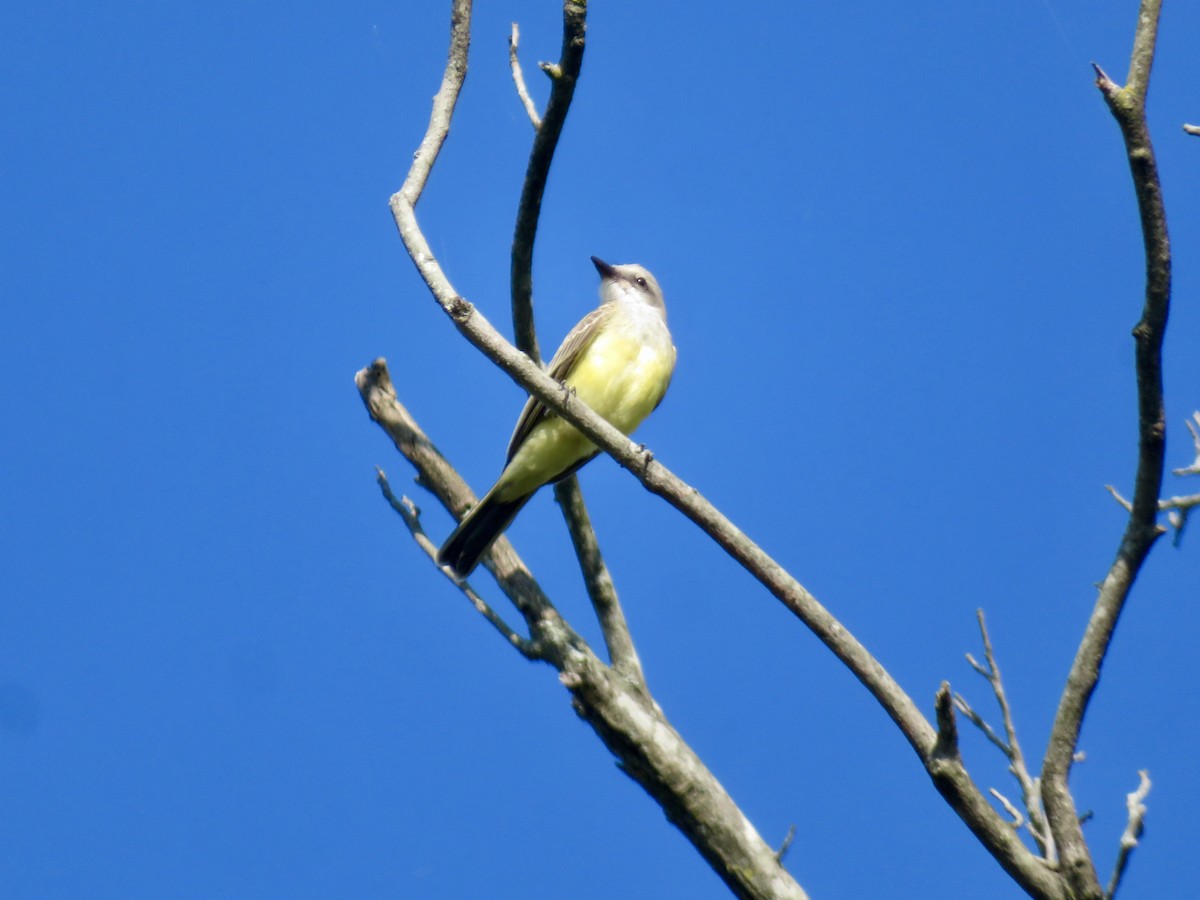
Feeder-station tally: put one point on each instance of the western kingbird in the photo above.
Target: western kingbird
(618, 360)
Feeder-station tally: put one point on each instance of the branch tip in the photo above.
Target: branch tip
(946, 745)
(787, 843)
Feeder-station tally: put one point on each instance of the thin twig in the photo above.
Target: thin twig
(1194, 467)
(519, 79)
(412, 518)
(1120, 499)
(629, 723)
(1017, 819)
(1177, 508)
(1127, 105)
(979, 722)
(438, 477)
(1010, 744)
(598, 581)
(1133, 832)
(787, 842)
(562, 89)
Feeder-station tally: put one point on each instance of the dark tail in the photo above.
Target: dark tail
(477, 531)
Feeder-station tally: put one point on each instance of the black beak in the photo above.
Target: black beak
(605, 270)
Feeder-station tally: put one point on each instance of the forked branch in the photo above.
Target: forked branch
(948, 773)
(1009, 745)
(1128, 106)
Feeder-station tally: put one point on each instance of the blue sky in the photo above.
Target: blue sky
(901, 257)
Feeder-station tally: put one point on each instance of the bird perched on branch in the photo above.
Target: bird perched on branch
(618, 360)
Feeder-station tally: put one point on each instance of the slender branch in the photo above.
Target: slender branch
(412, 518)
(961, 704)
(787, 842)
(1177, 508)
(947, 772)
(563, 75)
(622, 714)
(1127, 105)
(1132, 834)
(596, 577)
(1194, 467)
(519, 78)
(628, 722)
(949, 776)
(444, 102)
(1017, 818)
(1010, 745)
(601, 590)
(438, 477)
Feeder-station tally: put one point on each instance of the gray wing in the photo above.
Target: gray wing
(560, 367)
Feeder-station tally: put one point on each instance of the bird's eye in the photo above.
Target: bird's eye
(641, 282)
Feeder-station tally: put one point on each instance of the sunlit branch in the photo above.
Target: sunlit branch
(1127, 105)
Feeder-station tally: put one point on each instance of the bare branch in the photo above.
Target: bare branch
(948, 773)
(1133, 832)
(628, 722)
(949, 776)
(1017, 819)
(978, 721)
(1117, 496)
(601, 590)
(564, 77)
(519, 79)
(1010, 745)
(1177, 508)
(1194, 467)
(625, 718)
(439, 121)
(1128, 107)
(437, 476)
(412, 518)
(787, 842)
(596, 577)
(946, 746)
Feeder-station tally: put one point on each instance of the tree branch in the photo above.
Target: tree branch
(949, 776)
(519, 78)
(1010, 746)
(631, 725)
(597, 580)
(412, 518)
(1132, 834)
(600, 588)
(564, 75)
(628, 722)
(1127, 105)
(438, 477)
(1192, 468)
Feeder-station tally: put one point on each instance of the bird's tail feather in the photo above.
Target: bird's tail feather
(477, 531)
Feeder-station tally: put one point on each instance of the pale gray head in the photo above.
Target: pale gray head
(629, 282)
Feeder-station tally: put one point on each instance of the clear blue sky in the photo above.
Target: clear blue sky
(901, 257)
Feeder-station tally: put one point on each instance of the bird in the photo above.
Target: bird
(619, 360)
